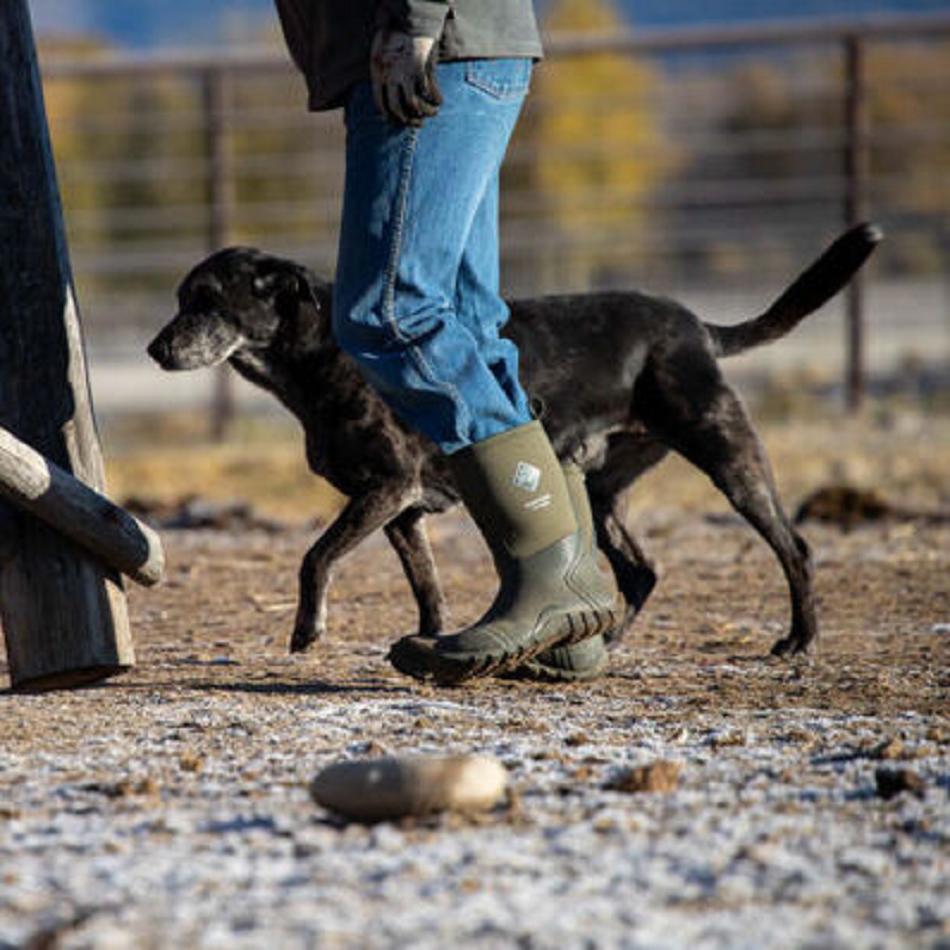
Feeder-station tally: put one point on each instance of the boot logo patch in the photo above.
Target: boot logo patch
(527, 476)
(536, 504)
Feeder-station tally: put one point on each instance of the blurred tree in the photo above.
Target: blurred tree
(587, 154)
(128, 158)
(132, 152)
(67, 100)
(290, 169)
(786, 126)
(910, 122)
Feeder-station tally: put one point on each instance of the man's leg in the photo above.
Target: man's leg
(478, 301)
(412, 199)
(411, 203)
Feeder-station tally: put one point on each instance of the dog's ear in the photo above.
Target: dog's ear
(303, 303)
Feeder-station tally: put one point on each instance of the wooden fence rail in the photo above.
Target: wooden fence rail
(850, 35)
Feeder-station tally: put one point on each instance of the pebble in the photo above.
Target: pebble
(660, 776)
(891, 782)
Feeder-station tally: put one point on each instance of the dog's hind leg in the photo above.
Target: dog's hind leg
(360, 517)
(724, 445)
(626, 459)
(408, 537)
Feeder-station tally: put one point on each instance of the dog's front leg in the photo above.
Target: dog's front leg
(408, 537)
(360, 517)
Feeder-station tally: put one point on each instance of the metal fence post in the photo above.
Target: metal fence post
(856, 171)
(220, 190)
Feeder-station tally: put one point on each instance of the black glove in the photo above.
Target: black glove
(402, 68)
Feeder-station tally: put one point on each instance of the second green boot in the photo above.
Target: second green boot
(588, 659)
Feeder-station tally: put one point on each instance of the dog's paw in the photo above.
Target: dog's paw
(613, 636)
(791, 646)
(303, 639)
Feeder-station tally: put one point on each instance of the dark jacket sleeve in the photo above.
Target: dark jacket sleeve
(296, 20)
(415, 17)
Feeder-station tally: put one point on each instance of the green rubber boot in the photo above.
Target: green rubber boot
(552, 592)
(588, 659)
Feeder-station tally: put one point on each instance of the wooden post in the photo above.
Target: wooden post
(220, 192)
(856, 169)
(63, 613)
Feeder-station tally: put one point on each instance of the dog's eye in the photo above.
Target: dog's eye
(268, 285)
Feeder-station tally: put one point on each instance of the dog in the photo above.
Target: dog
(624, 378)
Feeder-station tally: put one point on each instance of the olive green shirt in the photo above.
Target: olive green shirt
(329, 40)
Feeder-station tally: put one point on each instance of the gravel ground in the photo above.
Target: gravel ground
(170, 806)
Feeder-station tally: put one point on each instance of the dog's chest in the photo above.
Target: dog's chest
(356, 443)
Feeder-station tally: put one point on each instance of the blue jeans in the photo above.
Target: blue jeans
(416, 300)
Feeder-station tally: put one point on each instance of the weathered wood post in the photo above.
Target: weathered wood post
(63, 613)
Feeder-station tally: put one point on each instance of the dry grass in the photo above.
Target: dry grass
(903, 455)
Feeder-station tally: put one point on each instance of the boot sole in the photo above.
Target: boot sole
(535, 672)
(451, 669)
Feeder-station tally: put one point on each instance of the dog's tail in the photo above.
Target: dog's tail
(807, 293)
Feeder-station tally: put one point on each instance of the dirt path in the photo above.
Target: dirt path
(170, 806)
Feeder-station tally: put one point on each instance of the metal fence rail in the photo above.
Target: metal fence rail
(687, 159)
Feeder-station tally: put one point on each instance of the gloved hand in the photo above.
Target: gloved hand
(402, 69)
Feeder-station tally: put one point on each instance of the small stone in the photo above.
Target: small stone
(605, 825)
(660, 776)
(719, 740)
(371, 748)
(147, 786)
(191, 762)
(936, 734)
(576, 738)
(891, 782)
(889, 749)
(798, 736)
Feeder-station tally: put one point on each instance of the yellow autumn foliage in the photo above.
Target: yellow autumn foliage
(597, 148)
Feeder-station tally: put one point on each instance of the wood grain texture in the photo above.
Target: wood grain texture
(65, 503)
(64, 614)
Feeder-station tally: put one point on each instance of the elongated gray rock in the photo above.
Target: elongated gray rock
(397, 787)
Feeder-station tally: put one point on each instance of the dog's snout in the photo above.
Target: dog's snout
(159, 350)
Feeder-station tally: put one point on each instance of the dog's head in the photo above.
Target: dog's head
(240, 301)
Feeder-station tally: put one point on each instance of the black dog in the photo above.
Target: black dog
(623, 378)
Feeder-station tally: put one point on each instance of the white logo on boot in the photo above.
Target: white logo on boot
(527, 476)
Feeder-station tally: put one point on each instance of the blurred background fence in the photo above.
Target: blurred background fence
(709, 165)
